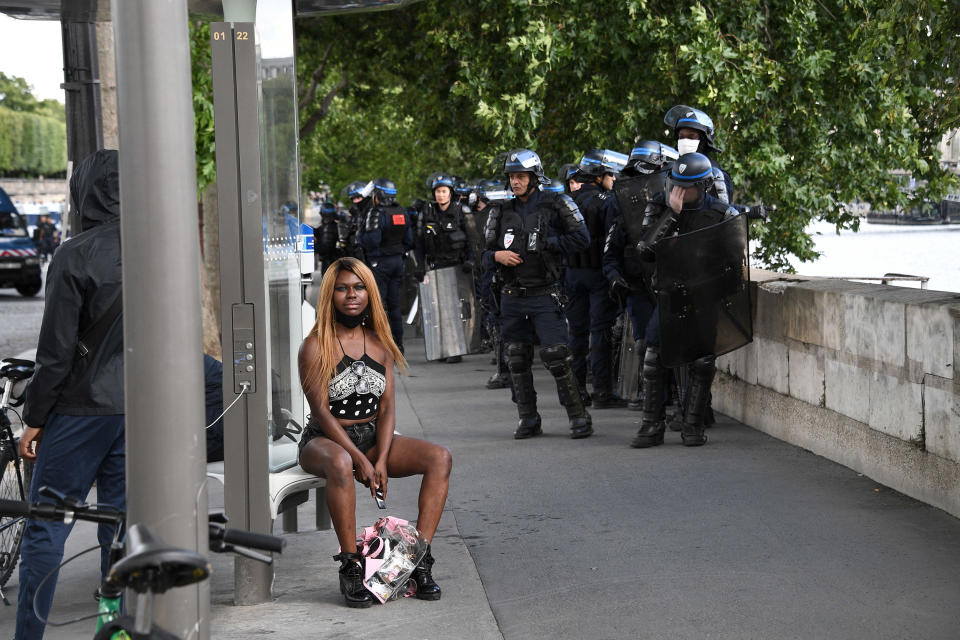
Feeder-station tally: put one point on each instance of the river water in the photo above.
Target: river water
(877, 249)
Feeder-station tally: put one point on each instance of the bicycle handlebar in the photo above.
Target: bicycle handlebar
(60, 513)
(249, 539)
(46, 511)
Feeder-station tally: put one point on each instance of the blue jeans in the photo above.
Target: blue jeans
(74, 451)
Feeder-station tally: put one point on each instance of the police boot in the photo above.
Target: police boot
(351, 580)
(652, 425)
(604, 398)
(519, 357)
(499, 380)
(427, 589)
(556, 358)
(699, 395)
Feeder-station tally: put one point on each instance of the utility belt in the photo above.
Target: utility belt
(528, 292)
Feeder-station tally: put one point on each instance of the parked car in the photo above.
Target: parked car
(19, 259)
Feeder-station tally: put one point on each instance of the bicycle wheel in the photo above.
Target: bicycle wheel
(11, 529)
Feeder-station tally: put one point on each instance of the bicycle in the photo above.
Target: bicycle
(14, 481)
(140, 561)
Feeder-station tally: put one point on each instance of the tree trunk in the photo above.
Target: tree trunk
(211, 272)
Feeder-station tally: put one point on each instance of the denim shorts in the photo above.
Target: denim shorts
(363, 436)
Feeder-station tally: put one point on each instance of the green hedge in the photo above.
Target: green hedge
(31, 144)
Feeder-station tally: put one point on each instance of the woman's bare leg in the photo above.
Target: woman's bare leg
(327, 459)
(411, 456)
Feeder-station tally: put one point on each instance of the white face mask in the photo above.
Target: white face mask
(687, 145)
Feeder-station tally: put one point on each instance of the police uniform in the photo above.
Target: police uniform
(660, 221)
(387, 235)
(591, 312)
(541, 230)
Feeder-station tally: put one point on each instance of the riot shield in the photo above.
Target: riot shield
(631, 356)
(703, 293)
(448, 310)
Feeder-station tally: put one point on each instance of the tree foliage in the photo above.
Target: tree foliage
(816, 102)
(200, 61)
(33, 133)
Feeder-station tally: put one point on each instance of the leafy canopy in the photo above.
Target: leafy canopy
(815, 102)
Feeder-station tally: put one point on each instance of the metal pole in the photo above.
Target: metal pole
(166, 459)
(81, 80)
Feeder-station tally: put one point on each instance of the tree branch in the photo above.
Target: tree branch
(315, 78)
(321, 112)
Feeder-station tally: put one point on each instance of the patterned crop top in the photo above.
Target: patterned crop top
(356, 388)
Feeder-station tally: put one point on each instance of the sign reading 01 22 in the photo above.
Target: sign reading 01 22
(222, 35)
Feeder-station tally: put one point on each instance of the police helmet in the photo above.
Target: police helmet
(352, 190)
(555, 186)
(442, 180)
(461, 187)
(684, 117)
(691, 170)
(328, 208)
(385, 189)
(649, 155)
(567, 171)
(597, 162)
(524, 161)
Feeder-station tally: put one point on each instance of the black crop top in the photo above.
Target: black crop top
(355, 390)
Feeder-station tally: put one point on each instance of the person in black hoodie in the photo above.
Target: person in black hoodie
(74, 404)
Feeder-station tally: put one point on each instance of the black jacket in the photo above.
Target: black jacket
(83, 280)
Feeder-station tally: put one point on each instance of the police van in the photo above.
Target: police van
(19, 260)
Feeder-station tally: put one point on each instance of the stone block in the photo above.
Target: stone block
(930, 339)
(804, 313)
(806, 376)
(770, 302)
(875, 328)
(896, 407)
(773, 369)
(942, 419)
(847, 389)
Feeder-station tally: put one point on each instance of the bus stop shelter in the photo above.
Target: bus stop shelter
(263, 315)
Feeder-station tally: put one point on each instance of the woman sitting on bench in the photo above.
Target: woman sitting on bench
(346, 369)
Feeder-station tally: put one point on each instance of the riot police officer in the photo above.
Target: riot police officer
(566, 177)
(490, 195)
(442, 236)
(387, 235)
(326, 236)
(693, 132)
(591, 313)
(644, 176)
(351, 223)
(685, 207)
(527, 238)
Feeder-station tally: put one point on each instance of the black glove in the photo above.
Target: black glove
(619, 290)
(646, 252)
(420, 274)
(466, 267)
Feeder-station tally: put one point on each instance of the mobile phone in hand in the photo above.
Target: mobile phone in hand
(379, 498)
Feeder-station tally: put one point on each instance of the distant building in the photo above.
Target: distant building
(950, 151)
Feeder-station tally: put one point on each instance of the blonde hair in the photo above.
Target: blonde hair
(324, 367)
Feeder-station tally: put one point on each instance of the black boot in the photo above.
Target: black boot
(519, 357)
(528, 428)
(604, 398)
(351, 580)
(702, 374)
(652, 425)
(558, 363)
(427, 589)
(498, 380)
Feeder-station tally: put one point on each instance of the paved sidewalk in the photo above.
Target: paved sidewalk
(747, 537)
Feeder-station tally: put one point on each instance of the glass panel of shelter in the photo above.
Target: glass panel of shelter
(281, 223)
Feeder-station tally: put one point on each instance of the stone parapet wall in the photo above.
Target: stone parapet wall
(862, 374)
(34, 189)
